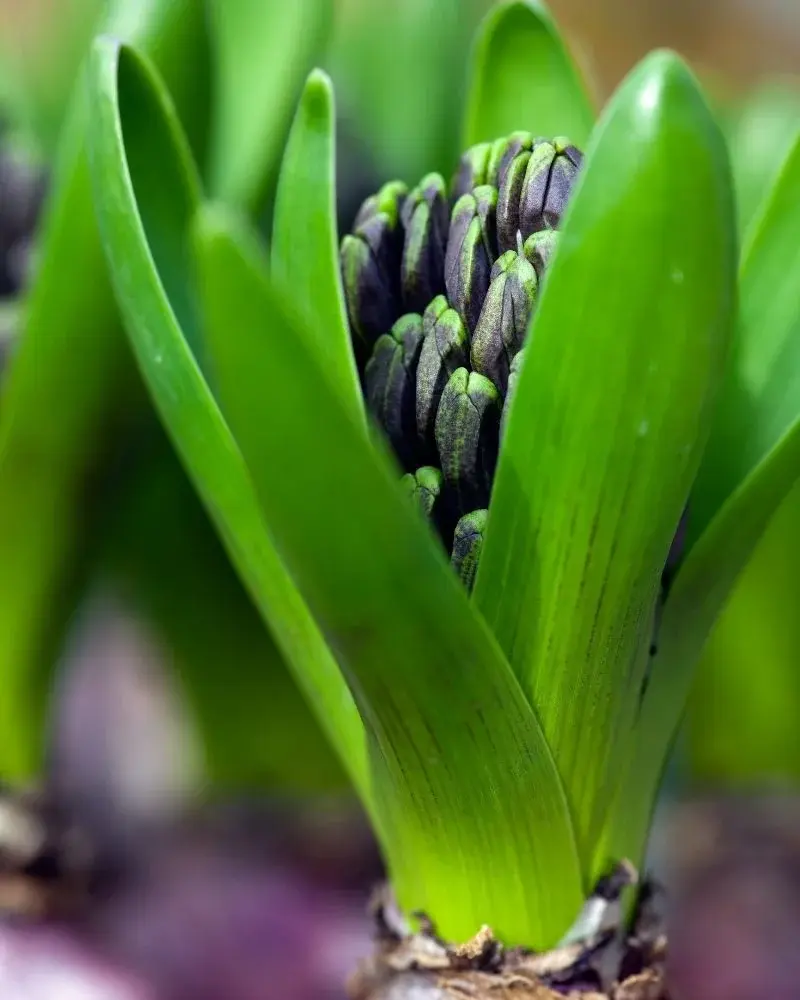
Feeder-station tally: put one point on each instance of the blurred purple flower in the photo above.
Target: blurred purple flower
(47, 963)
(186, 901)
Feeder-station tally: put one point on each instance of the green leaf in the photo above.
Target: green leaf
(760, 402)
(305, 243)
(751, 463)
(146, 193)
(611, 412)
(473, 816)
(263, 52)
(523, 77)
(63, 396)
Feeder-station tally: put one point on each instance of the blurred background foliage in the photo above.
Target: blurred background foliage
(398, 66)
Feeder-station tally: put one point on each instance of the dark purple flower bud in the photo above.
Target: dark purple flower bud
(511, 388)
(508, 202)
(471, 251)
(445, 348)
(503, 153)
(550, 175)
(539, 249)
(424, 487)
(390, 385)
(467, 432)
(467, 545)
(504, 318)
(426, 219)
(472, 170)
(370, 259)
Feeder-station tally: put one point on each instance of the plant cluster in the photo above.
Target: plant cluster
(561, 358)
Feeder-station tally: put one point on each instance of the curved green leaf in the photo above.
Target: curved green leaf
(62, 400)
(471, 807)
(524, 78)
(751, 464)
(146, 192)
(610, 415)
(263, 52)
(305, 239)
(760, 401)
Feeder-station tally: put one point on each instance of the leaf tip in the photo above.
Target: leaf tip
(662, 77)
(318, 93)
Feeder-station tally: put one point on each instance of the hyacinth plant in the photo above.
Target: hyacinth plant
(553, 349)
(489, 466)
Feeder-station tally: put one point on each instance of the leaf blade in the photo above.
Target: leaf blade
(758, 404)
(142, 153)
(263, 53)
(524, 78)
(597, 461)
(450, 786)
(71, 353)
(305, 242)
(750, 466)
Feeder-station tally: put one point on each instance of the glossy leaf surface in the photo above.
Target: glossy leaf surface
(760, 402)
(461, 775)
(72, 355)
(305, 243)
(147, 192)
(523, 77)
(263, 51)
(599, 454)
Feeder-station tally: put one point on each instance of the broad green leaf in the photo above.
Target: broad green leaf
(609, 422)
(523, 77)
(263, 51)
(146, 193)
(305, 239)
(751, 463)
(471, 807)
(66, 387)
(760, 402)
